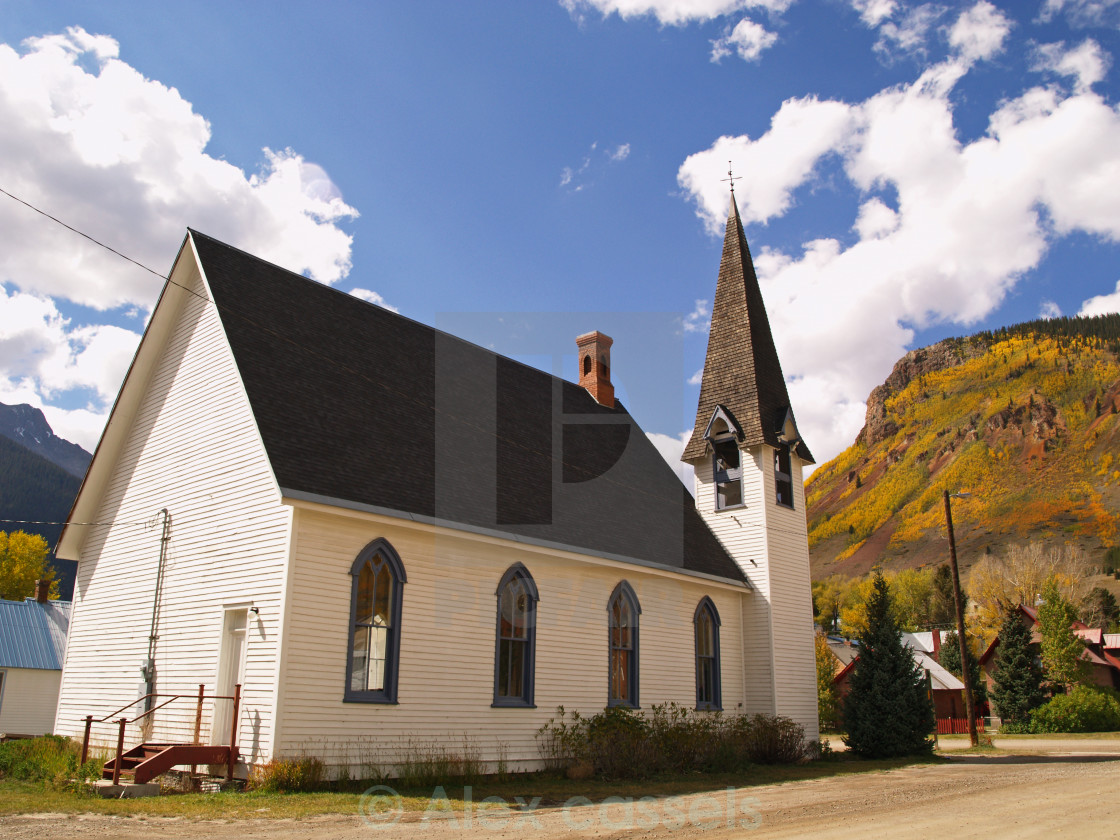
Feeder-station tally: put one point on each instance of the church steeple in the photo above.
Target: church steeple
(742, 375)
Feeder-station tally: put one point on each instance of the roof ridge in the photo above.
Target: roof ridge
(388, 311)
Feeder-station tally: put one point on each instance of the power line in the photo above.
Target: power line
(80, 233)
(148, 522)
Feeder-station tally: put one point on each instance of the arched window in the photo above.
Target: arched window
(623, 611)
(705, 622)
(515, 645)
(375, 621)
(586, 365)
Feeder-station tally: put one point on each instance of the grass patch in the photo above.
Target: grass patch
(23, 797)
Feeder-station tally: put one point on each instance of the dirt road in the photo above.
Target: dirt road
(1020, 797)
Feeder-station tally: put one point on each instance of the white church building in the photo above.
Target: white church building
(388, 536)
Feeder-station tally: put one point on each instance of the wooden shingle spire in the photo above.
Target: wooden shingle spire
(741, 370)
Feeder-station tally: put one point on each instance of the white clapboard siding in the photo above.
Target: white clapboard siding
(188, 444)
(28, 697)
(770, 544)
(743, 534)
(791, 603)
(449, 609)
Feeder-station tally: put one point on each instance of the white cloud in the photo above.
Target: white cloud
(874, 12)
(875, 220)
(979, 32)
(696, 378)
(672, 12)
(42, 357)
(1086, 63)
(123, 158)
(671, 449)
(1049, 309)
(1084, 12)
(748, 39)
(699, 319)
(1102, 304)
(967, 220)
(373, 297)
(592, 163)
(800, 133)
(907, 36)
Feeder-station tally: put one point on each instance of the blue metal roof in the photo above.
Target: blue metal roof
(33, 635)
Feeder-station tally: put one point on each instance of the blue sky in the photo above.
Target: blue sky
(521, 172)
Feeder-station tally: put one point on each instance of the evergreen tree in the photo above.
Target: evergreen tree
(1061, 649)
(1017, 679)
(951, 662)
(888, 711)
(943, 610)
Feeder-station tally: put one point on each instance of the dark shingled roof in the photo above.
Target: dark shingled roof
(358, 404)
(741, 370)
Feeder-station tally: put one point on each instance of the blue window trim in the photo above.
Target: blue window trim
(525, 701)
(624, 591)
(706, 605)
(393, 648)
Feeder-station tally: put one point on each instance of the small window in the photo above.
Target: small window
(375, 617)
(727, 472)
(515, 647)
(783, 478)
(623, 611)
(706, 626)
(586, 365)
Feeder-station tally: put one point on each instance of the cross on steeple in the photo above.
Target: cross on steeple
(731, 178)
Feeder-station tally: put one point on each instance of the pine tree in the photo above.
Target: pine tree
(951, 662)
(888, 711)
(1061, 649)
(1017, 679)
(943, 610)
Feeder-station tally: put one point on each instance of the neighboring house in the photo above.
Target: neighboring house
(397, 541)
(1101, 655)
(948, 690)
(32, 643)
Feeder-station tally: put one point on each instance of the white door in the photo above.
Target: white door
(231, 672)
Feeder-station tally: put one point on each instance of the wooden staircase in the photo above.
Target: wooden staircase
(146, 761)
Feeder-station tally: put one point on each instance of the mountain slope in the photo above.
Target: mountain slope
(1026, 420)
(27, 426)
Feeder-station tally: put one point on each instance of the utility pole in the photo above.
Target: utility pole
(966, 674)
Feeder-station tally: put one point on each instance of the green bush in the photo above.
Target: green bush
(620, 743)
(769, 739)
(1084, 709)
(290, 775)
(51, 759)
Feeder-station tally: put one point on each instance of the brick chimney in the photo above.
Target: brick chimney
(42, 590)
(595, 366)
(937, 645)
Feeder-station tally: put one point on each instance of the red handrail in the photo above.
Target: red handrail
(171, 698)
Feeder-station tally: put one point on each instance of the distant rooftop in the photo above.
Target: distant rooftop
(33, 635)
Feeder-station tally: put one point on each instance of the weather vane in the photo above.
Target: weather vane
(731, 178)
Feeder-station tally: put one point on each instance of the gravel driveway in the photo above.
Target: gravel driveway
(991, 797)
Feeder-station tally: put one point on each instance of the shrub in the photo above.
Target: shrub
(770, 739)
(1084, 709)
(290, 775)
(52, 759)
(622, 743)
